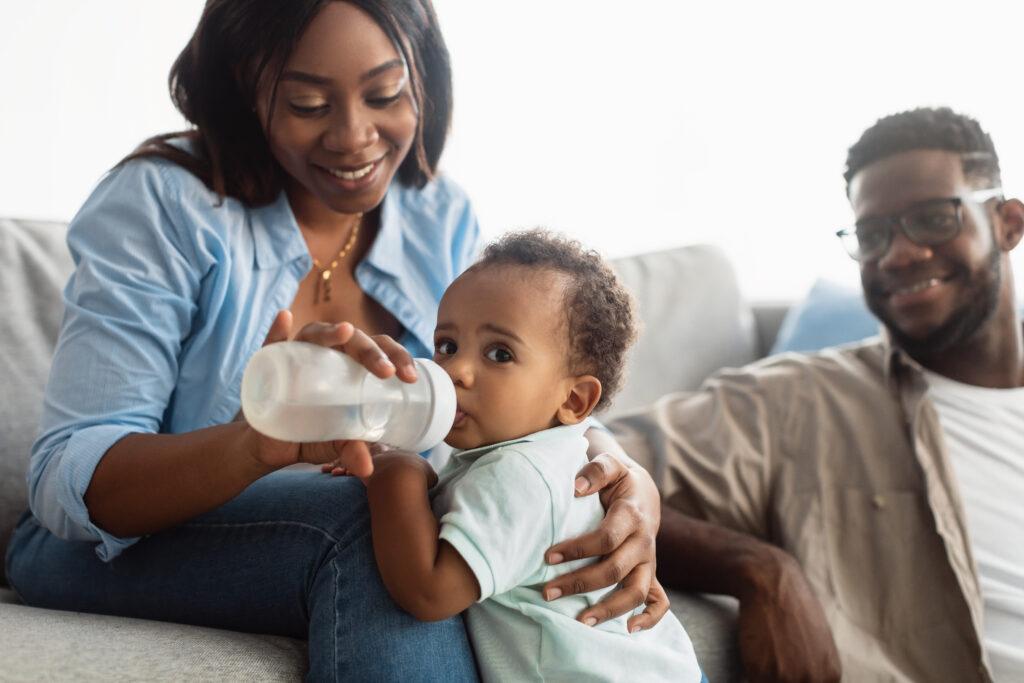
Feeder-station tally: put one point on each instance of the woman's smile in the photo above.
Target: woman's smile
(353, 178)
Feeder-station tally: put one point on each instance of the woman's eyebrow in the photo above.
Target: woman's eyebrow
(386, 66)
(306, 77)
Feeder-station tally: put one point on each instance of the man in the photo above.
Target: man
(876, 488)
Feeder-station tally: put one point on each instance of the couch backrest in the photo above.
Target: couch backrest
(693, 319)
(34, 266)
(693, 322)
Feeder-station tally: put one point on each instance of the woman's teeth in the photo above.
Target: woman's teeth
(351, 175)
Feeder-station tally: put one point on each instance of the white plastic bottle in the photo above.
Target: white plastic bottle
(295, 391)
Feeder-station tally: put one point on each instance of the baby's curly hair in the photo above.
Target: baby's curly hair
(599, 311)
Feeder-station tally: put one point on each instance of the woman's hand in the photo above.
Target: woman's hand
(381, 355)
(624, 540)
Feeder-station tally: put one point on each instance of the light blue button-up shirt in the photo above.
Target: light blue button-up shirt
(174, 290)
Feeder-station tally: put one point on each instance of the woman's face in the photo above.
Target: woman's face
(344, 117)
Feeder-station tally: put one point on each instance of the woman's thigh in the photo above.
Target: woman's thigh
(246, 565)
(291, 555)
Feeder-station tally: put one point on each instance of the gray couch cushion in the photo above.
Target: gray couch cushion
(52, 645)
(49, 645)
(34, 266)
(710, 621)
(693, 322)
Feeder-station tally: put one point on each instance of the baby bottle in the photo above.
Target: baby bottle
(295, 391)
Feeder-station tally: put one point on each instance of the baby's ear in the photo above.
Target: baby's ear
(584, 393)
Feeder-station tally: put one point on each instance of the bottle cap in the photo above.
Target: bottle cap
(442, 397)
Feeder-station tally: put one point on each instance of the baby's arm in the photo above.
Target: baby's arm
(423, 574)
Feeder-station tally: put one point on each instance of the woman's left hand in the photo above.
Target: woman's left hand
(624, 541)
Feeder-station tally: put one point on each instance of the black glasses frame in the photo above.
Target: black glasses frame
(900, 221)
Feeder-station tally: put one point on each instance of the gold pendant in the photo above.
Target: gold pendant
(325, 280)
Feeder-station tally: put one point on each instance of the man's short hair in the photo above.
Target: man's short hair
(925, 128)
(600, 318)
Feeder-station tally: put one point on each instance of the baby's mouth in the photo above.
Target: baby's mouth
(460, 415)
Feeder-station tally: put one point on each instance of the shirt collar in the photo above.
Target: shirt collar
(899, 363)
(896, 359)
(386, 254)
(562, 431)
(278, 239)
(277, 236)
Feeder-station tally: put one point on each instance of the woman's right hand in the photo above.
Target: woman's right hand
(380, 354)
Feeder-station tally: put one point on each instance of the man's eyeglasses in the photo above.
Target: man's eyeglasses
(928, 224)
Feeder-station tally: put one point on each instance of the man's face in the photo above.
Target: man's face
(929, 298)
(502, 337)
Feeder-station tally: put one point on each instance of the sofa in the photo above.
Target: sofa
(695, 321)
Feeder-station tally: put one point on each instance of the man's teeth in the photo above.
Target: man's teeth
(351, 175)
(919, 286)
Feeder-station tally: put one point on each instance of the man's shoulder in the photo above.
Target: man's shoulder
(859, 364)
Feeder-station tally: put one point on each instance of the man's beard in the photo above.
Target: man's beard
(982, 300)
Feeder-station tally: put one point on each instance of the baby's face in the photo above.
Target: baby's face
(502, 337)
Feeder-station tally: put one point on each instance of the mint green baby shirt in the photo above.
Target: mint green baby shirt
(501, 507)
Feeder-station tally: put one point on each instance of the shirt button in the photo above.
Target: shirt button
(878, 501)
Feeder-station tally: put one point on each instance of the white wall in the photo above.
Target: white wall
(632, 129)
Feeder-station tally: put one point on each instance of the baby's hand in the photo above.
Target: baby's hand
(335, 468)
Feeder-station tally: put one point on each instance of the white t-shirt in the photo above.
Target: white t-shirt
(984, 433)
(501, 507)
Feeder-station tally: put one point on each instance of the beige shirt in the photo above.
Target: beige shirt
(838, 458)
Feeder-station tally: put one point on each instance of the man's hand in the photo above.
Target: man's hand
(783, 634)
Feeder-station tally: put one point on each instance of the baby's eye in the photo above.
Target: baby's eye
(499, 355)
(445, 347)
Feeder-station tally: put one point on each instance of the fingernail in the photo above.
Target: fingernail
(590, 621)
(634, 629)
(552, 593)
(384, 362)
(555, 558)
(410, 369)
(581, 484)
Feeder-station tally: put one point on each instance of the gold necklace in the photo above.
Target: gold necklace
(324, 280)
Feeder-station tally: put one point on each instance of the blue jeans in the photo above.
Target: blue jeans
(291, 555)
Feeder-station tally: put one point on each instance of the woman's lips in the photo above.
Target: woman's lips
(354, 179)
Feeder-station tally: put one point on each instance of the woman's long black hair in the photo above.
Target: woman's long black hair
(215, 80)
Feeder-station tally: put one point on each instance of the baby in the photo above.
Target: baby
(534, 337)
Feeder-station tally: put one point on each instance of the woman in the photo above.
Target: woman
(305, 196)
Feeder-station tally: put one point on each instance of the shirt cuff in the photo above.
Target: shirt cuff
(469, 551)
(82, 453)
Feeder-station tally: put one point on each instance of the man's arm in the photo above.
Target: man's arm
(424, 575)
(783, 633)
(712, 452)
